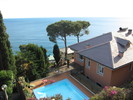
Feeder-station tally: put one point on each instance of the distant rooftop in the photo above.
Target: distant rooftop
(69, 51)
(113, 49)
(51, 58)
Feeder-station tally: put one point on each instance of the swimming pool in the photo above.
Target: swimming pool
(63, 87)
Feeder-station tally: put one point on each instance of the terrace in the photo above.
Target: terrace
(74, 74)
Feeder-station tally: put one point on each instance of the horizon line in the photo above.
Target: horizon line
(63, 17)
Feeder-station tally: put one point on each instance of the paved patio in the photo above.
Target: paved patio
(58, 77)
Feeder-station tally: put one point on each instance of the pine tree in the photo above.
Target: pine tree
(7, 61)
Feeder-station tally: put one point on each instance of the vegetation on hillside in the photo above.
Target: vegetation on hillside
(55, 97)
(115, 93)
(7, 61)
(32, 62)
(7, 77)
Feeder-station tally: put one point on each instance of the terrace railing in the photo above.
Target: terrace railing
(90, 84)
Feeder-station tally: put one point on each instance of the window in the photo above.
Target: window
(100, 69)
(81, 58)
(131, 67)
(87, 63)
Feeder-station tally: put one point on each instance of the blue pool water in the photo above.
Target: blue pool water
(63, 87)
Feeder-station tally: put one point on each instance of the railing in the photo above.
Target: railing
(82, 85)
(91, 85)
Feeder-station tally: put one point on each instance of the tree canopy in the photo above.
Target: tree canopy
(7, 61)
(80, 28)
(56, 53)
(64, 28)
(60, 30)
(32, 62)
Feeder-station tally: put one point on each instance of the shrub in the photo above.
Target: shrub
(32, 62)
(56, 97)
(7, 77)
(111, 93)
(130, 92)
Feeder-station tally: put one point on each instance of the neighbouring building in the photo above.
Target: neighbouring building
(107, 59)
(70, 53)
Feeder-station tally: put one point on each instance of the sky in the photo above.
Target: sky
(65, 8)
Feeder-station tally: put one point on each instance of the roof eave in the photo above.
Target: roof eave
(122, 65)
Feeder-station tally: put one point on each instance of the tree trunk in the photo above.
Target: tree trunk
(65, 42)
(78, 38)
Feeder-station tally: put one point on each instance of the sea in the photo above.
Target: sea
(33, 30)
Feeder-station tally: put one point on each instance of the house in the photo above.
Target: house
(107, 59)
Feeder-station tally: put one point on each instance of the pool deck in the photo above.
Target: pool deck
(58, 77)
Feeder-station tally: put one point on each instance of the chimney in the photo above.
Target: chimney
(121, 53)
(129, 31)
(122, 29)
(128, 44)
